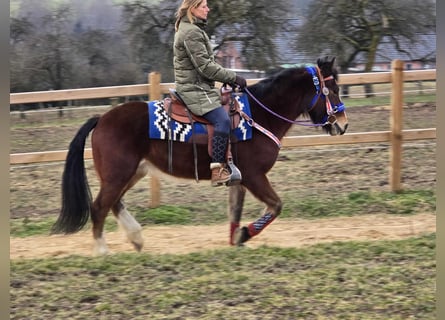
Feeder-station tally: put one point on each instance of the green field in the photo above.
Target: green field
(350, 280)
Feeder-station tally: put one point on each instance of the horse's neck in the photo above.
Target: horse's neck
(285, 106)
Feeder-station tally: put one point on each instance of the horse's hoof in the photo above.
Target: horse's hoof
(100, 252)
(135, 238)
(137, 246)
(240, 236)
(100, 247)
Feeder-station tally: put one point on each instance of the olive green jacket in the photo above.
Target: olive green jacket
(195, 68)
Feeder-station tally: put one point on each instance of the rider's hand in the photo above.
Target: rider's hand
(241, 82)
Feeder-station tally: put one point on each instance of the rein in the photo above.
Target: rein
(316, 76)
(299, 122)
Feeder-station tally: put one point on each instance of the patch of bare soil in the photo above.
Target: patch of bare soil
(186, 239)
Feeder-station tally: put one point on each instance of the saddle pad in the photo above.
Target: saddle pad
(159, 123)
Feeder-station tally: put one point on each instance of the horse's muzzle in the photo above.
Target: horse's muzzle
(336, 129)
(339, 125)
(339, 129)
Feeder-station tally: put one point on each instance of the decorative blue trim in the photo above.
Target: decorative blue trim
(161, 126)
(340, 108)
(315, 79)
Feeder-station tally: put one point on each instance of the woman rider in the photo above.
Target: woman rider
(195, 74)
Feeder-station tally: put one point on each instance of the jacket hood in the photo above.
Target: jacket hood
(199, 22)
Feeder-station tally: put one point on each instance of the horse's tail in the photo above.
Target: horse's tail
(76, 194)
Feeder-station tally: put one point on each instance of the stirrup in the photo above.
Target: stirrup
(235, 174)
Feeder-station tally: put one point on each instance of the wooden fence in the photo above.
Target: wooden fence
(155, 89)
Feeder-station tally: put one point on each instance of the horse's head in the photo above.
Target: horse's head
(327, 108)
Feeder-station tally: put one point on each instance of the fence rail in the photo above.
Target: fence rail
(155, 89)
(144, 89)
(287, 142)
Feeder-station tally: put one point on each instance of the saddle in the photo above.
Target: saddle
(177, 109)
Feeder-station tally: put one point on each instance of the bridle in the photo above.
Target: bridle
(319, 83)
(331, 110)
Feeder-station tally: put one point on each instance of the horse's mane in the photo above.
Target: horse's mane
(274, 80)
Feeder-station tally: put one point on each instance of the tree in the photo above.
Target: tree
(20, 31)
(42, 60)
(149, 30)
(62, 46)
(346, 28)
(253, 23)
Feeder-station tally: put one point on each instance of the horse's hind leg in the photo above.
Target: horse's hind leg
(106, 200)
(125, 220)
(113, 184)
(237, 194)
(129, 224)
(99, 210)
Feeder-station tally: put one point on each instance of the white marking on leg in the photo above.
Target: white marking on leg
(131, 228)
(100, 246)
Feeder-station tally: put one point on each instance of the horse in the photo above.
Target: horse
(123, 153)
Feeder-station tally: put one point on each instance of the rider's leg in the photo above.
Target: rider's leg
(221, 121)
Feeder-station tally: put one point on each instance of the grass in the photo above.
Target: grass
(414, 92)
(355, 203)
(386, 100)
(363, 202)
(348, 280)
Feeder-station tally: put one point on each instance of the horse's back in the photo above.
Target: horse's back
(130, 113)
(121, 131)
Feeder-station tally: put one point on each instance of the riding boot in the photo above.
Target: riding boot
(220, 174)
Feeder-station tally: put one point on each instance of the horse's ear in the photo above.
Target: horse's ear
(327, 60)
(326, 63)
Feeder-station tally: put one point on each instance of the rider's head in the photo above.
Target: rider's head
(192, 9)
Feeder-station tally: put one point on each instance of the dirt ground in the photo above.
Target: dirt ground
(341, 169)
(186, 239)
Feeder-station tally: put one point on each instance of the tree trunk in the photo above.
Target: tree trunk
(369, 92)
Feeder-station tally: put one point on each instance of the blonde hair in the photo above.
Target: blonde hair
(185, 9)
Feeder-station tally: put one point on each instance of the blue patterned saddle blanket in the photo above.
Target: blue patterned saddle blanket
(160, 124)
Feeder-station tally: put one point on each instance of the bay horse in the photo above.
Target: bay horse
(123, 153)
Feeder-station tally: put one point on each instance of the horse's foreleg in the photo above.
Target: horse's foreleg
(264, 192)
(237, 194)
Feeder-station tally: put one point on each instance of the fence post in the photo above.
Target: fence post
(154, 81)
(114, 102)
(396, 123)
